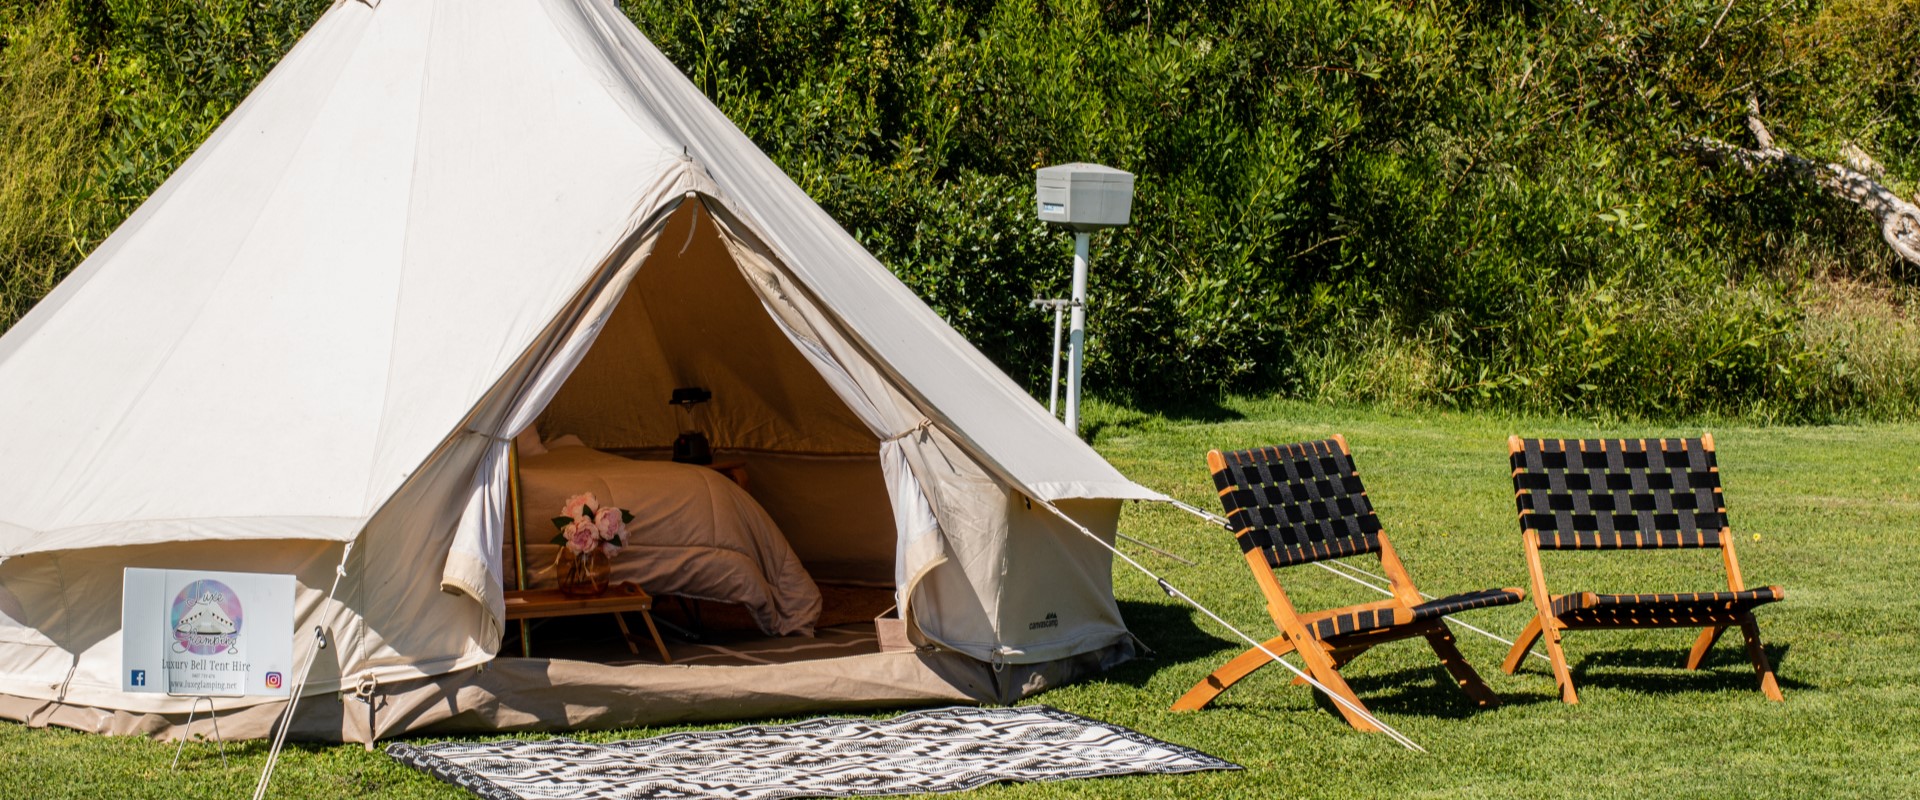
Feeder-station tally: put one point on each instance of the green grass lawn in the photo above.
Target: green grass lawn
(1825, 512)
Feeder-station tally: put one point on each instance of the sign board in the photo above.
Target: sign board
(201, 633)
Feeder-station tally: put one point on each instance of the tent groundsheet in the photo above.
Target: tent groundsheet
(512, 694)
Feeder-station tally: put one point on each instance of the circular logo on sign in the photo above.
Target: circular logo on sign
(206, 618)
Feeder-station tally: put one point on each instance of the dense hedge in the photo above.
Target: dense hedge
(1453, 202)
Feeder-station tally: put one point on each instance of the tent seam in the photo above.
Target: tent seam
(400, 280)
(52, 532)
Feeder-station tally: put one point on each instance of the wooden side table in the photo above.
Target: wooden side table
(735, 471)
(619, 598)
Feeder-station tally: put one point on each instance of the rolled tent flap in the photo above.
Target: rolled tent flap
(474, 560)
(888, 414)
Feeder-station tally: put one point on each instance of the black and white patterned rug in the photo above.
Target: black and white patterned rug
(942, 750)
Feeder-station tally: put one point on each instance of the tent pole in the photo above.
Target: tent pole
(519, 539)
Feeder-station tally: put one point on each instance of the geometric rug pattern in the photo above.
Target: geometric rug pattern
(940, 750)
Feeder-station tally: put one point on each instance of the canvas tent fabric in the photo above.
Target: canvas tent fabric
(309, 350)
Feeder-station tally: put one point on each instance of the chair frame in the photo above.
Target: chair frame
(1325, 656)
(1547, 625)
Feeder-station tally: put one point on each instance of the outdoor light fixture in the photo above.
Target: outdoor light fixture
(1084, 198)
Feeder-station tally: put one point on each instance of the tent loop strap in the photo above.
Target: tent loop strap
(1347, 571)
(692, 226)
(285, 722)
(367, 691)
(923, 425)
(1174, 591)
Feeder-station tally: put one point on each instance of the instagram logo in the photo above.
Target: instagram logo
(273, 680)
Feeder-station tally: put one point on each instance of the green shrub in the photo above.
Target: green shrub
(49, 109)
(1460, 203)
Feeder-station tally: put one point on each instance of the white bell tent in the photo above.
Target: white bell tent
(310, 349)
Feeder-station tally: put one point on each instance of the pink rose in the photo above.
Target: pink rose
(609, 524)
(580, 538)
(576, 506)
(610, 548)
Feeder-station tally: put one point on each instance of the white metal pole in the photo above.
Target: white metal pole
(1053, 374)
(1077, 339)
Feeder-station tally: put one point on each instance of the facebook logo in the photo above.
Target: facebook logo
(139, 677)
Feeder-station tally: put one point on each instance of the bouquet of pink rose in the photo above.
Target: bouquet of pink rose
(587, 526)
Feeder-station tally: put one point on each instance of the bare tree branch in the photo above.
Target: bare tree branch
(1899, 219)
(1716, 26)
(1861, 162)
(1760, 134)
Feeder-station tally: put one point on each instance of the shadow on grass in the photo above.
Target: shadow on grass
(1095, 429)
(1131, 414)
(1188, 409)
(1171, 632)
(1660, 671)
(1417, 691)
(1176, 639)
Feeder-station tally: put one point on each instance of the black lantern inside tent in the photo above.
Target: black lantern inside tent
(691, 447)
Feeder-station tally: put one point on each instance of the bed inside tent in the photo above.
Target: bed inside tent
(781, 549)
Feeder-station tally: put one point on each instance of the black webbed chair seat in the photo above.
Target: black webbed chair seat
(1374, 620)
(1684, 609)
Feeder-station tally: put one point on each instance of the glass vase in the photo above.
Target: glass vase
(581, 574)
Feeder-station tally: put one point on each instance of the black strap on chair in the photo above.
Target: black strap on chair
(1297, 503)
(1632, 493)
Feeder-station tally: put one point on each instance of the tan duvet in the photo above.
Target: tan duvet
(694, 534)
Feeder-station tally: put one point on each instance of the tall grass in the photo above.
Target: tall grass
(50, 110)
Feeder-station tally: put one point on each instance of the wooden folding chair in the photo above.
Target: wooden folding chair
(1629, 494)
(1300, 503)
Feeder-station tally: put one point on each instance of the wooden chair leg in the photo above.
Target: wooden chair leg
(1561, 675)
(1342, 656)
(1768, 685)
(1521, 645)
(1230, 673)
(1320, 665)
(1708, 635)
(1463, 674)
